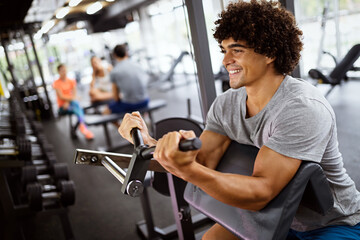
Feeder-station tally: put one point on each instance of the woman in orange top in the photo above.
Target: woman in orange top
(66, 95)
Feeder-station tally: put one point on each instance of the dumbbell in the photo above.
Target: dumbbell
(12, 126)
(20, 147)
(23, 148)
(42, 173)
(37, 127)
(40, 196)
(40, 142)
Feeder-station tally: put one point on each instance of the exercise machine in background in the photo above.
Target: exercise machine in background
(339, 72)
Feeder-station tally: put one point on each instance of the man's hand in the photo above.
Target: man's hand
(134, 120)
(167, 152)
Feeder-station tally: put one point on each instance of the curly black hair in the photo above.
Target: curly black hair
(266, 27)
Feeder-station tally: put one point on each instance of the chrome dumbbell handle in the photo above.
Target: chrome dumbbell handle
(112, 167)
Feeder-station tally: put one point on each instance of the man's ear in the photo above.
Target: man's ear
(270, 60)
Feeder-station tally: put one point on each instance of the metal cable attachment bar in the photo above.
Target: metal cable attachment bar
(115, 170)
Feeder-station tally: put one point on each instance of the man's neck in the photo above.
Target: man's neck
(259, 94)
(121, 59)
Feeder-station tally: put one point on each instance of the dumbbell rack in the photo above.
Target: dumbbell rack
(25, 150)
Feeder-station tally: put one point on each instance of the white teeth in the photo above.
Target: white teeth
(234, 71)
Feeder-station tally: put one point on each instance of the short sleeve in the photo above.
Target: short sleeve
(302, 130)
(55, 84)
(214, 118)
(112, 77)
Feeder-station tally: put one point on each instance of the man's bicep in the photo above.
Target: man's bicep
(213, 147)
(274, 170)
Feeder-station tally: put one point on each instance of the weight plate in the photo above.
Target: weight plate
(34, 191)
(24, 148)
(20, 126)
(60, 171)
(28, 174)
(67, 189)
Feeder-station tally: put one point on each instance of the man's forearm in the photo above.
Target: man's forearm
(241, 191)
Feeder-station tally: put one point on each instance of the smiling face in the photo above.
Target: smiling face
(245, 66)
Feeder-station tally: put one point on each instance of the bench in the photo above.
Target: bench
(97, 119)
(93, 108)
(309, 188)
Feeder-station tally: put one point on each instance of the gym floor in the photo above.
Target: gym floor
(102, 212)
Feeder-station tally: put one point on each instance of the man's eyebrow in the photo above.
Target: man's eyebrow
(233, 45)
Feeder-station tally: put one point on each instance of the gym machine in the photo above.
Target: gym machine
(309, 188)
(137, 164)
(134, 184)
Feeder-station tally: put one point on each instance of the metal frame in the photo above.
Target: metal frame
(41, 75)
(200, 42)
(290, 5)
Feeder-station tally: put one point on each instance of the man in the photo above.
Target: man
(66, 98)
(129, 84)
(286, 118)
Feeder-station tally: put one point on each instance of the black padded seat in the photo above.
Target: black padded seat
(308, 187)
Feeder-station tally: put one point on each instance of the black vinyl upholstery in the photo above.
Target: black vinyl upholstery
(273, 221)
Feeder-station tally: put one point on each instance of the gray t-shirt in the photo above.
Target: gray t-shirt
(297, 122)
(131, 80)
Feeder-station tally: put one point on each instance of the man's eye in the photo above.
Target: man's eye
(222, 51)
(238, 51)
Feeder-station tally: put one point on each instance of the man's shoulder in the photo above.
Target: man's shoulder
(296, 87)
(118, 68)
(307, 106)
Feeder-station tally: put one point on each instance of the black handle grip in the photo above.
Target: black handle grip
(184, 145)
(190, 144)
(137, 138)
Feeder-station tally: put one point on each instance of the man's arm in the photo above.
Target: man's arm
(272, 172)
(212, 151)
(115, 91)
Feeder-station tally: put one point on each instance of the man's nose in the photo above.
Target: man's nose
(228, 59)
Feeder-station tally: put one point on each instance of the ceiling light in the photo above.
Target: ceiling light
(38, 35)
(62, 12)
(93, 8)
(110, 0)
(47, 26)
(74, 3)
